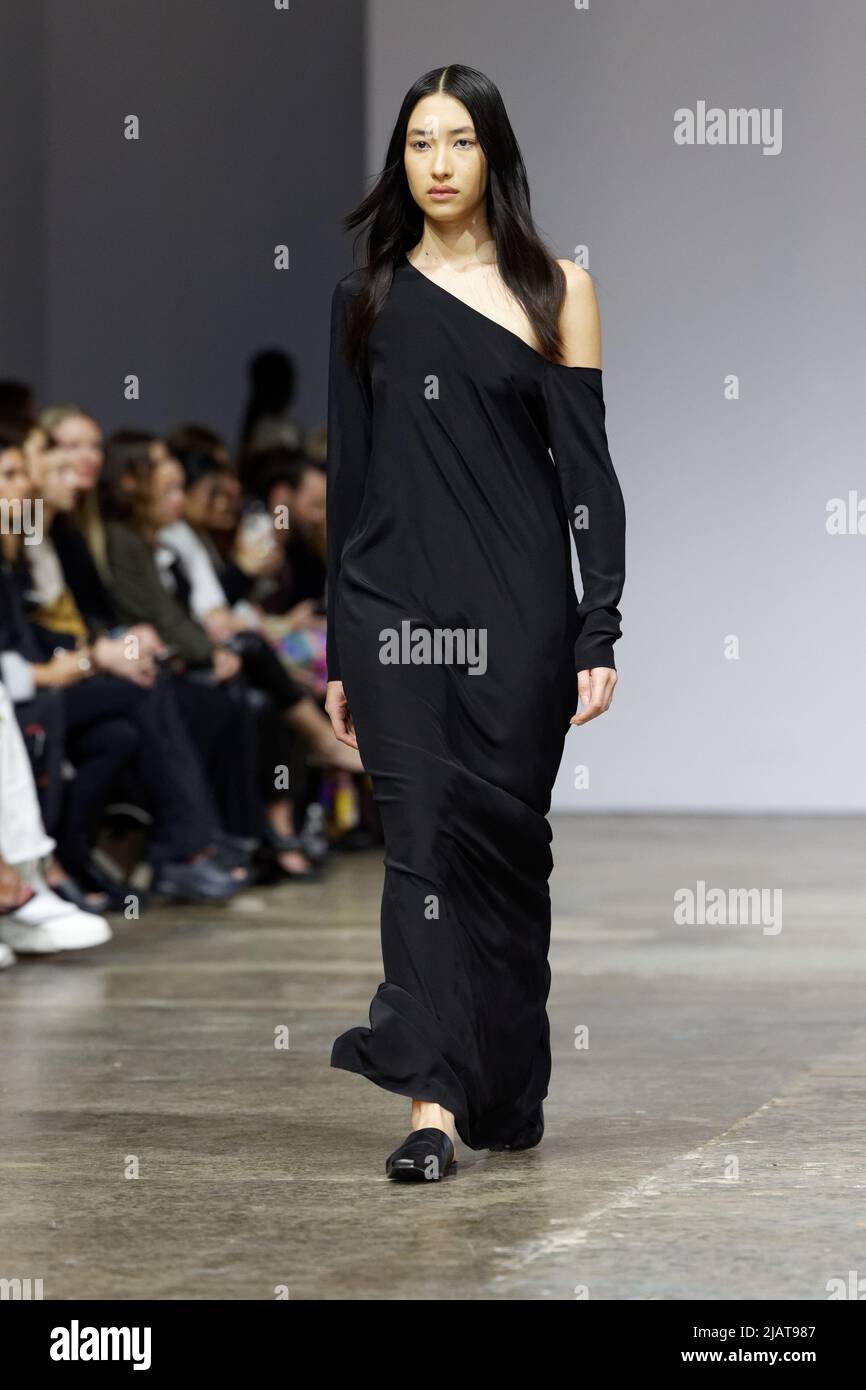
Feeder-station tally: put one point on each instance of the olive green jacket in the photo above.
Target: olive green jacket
(141, 596)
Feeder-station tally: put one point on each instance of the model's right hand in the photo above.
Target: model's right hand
(337, 709)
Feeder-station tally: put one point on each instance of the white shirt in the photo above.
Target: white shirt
(206, 592)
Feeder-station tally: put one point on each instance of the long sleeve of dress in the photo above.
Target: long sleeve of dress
(593, 504)
(349, 434)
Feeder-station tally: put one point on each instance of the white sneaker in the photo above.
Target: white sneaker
(46, 923)
(7, 956)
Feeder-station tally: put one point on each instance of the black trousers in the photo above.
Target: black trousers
(221, 722)
(264, 670)
(279, 746)
(114, 728)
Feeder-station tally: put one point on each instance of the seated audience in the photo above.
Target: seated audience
(33, 919)
(162, 659)
(142, 493)
(292, 489)
(100, 693)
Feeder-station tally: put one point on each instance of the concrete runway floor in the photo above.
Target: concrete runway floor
(708, 1142)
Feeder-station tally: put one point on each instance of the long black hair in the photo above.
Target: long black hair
(394, 222)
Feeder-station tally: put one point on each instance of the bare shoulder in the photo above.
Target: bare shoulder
(579, 319)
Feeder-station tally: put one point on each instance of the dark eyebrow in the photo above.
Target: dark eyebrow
(458, 130)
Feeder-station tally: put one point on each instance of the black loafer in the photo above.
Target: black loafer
(424, 1156)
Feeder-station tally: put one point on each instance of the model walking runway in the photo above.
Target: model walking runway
(446, 513)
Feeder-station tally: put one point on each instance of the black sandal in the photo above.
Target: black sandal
(292, 844)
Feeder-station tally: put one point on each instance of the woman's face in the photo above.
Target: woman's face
(81, 439)
(198, 501)
(166, 488)
(53, 475)
(225, 503)
(14, 478)
(443, 149)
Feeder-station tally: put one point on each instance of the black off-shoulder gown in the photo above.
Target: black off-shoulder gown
(446, 511)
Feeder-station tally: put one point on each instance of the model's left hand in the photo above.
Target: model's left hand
(595, 692)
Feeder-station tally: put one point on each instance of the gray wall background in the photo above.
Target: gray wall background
(156, 256)
(707, 261)
(261, 127)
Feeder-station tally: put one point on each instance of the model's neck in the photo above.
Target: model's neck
(456, 247)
